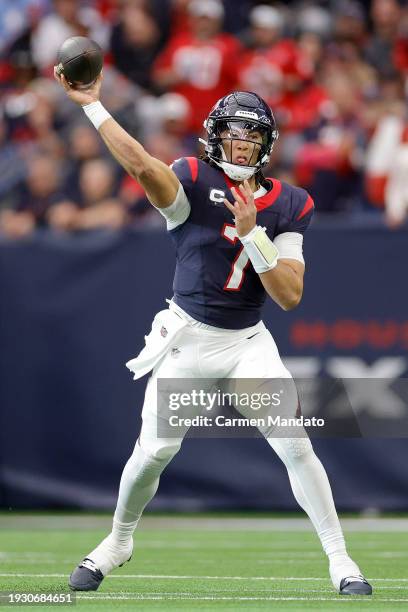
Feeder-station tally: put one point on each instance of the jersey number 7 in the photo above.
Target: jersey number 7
(241, 261)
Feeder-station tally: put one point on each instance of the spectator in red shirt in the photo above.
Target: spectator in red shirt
(260, 68)
(330, 163)
(277, 69)
(201, 63)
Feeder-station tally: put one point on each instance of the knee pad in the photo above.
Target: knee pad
(143, 467)
(158, 449)
(297, 447)
(292, 448)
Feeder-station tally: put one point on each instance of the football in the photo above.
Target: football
(80, 60)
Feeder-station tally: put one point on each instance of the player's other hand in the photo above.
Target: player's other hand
(243, 209)
(80, 96)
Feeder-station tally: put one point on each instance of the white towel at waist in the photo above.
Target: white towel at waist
(166, 326)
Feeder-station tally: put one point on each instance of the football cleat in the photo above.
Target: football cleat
(347, 578)
(93, 569)
(85, 577)
(355, 585)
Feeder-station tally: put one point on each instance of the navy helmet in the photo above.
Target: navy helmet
(235, 117)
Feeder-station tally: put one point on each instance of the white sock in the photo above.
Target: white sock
(107, 555)
(122, 532)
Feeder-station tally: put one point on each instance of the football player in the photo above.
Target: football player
(238, 238)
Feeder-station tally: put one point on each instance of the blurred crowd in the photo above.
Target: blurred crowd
(334, 72)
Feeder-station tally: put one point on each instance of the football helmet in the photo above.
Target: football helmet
(241, 115)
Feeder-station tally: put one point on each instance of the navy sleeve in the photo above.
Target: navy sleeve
(186, 170)
(302, 207)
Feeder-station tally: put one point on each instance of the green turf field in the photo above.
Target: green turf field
(205, 564)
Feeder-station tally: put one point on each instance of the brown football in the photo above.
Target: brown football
(80, 59)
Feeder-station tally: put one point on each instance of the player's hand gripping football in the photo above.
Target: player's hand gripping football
(80, 96)
(243, 209)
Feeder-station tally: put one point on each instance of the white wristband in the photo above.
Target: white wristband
(96, 113)
(260, 249)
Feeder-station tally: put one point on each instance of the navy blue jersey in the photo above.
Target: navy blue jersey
(214, 280)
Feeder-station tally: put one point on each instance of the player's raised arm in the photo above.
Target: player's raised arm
(158, 180)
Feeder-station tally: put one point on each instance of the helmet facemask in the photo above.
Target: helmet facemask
(251, 139)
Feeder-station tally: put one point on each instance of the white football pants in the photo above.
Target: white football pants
(194, 350)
